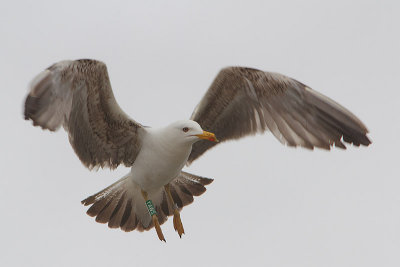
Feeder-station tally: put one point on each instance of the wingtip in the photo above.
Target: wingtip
(88, 201)
(206, 181)
(368, 141)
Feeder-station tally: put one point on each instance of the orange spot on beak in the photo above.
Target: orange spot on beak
(207, 136)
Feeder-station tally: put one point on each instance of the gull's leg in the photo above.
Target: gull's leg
(178, 226)
(153, 214)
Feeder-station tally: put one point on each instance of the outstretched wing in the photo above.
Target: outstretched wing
(78, 95)
(243, 101)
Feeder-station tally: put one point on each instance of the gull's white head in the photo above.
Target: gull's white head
(190, 131)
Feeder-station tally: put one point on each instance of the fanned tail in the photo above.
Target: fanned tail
(121, 205)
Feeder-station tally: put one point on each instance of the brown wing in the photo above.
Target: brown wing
(78, 95)
(243, 101)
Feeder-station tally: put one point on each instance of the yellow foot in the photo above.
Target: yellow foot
(158, 228)
(178, 226)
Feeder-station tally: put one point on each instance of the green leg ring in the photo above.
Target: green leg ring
(150, 207)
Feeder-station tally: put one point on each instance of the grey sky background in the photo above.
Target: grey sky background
(269, 205)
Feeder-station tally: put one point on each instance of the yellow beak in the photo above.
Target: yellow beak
(207, 136)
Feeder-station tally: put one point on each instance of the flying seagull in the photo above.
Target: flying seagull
(241, 101)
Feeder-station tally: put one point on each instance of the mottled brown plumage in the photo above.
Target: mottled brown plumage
(244, 101)
(78, 95)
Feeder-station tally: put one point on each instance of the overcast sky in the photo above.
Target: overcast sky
(269, 205)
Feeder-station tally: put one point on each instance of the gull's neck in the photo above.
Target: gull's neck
(163, 139)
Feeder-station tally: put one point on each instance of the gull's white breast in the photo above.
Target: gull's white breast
(160, 159)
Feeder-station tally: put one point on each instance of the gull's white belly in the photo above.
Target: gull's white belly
(156, 165)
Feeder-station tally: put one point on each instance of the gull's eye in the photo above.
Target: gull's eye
(185, 129)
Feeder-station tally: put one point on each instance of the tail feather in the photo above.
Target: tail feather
(116, 216)
(121, 205)
(129, 219)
